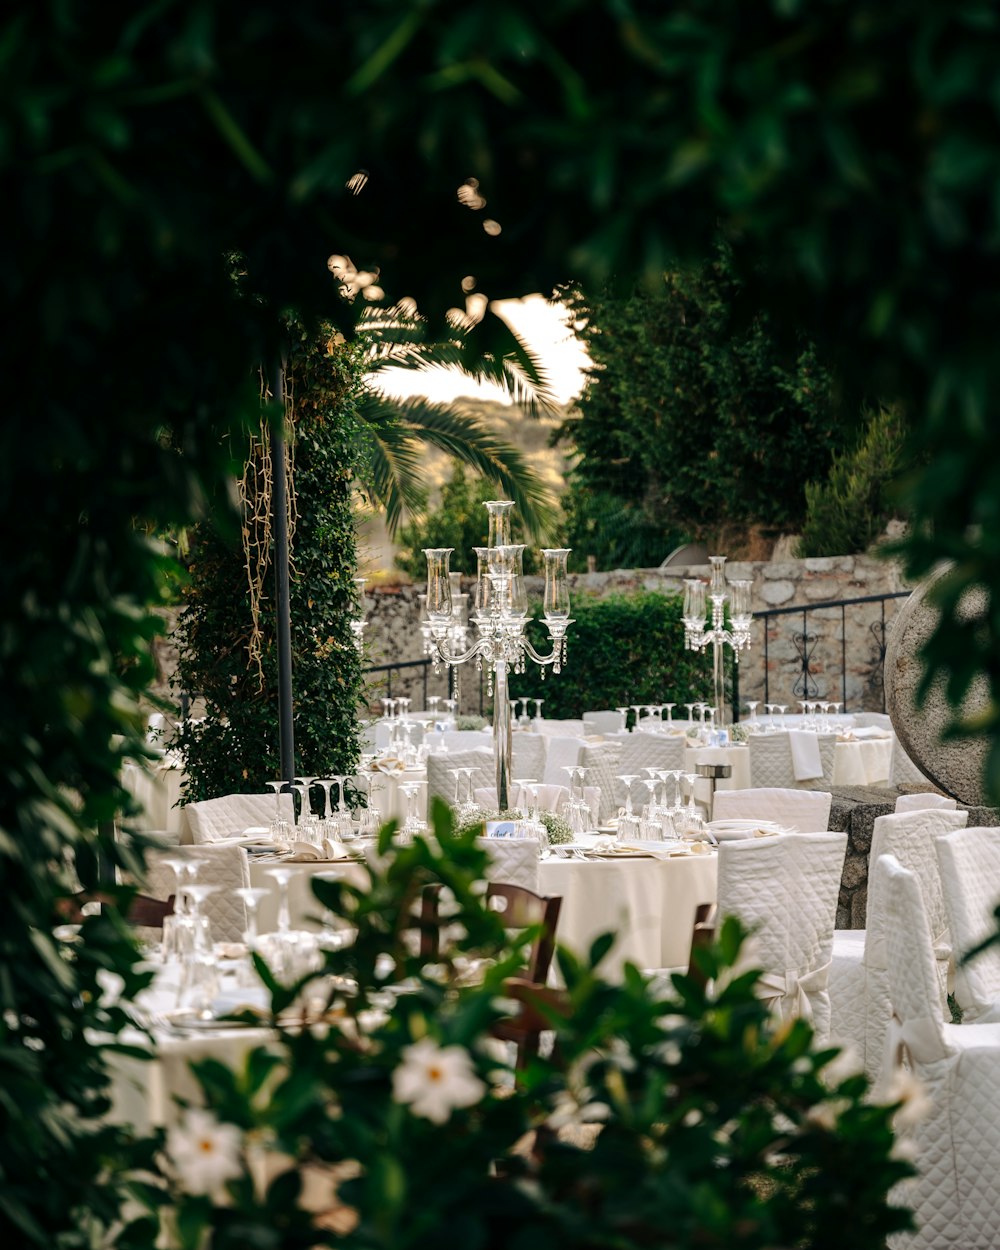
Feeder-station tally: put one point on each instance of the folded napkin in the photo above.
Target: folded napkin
(806, 763)
(306, 853)
(871, 731)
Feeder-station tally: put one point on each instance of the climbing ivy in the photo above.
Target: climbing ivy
(233, 747)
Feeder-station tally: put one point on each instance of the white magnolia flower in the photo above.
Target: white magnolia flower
(905, 1088)
(567, 1110)
(433, 1080)
(204, 1152)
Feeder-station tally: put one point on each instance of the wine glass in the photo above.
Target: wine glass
(670, 712)
(413, 823)
(752, 705)
(200, 978)
(282, 876)
(252, 896)
(336, 933)
(371, 816)
(277, 787)
(623, 713)
(637, 709)
(690, 709)
(626, 779)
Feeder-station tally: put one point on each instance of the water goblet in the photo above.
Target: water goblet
(690, 709)
(277, 787)
(752, 705)
(200, 977)
(432, 704)
(637, 709)
(623, 713)
(691, 811)
(626, 779)
(670, 712)
(303, 792)
(470, 808)
(782, 709)
(252, 896)
(413, 823)
(538, 708)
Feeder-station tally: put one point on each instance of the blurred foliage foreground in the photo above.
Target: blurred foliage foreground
(384, 1114)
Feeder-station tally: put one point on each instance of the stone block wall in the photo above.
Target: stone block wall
(775, 667)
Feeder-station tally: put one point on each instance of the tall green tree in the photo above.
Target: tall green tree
(692, 421)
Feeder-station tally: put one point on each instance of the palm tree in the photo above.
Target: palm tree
(398, 432)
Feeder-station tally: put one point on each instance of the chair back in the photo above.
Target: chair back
(466, 739)
(219, 820)
(514, 860)
(225, 865)
(807, 811)
(603, 764)
(902, 770)
(441, 779)
(602, 722)
(917, 802)
(527, 755)
(915, 1019)
(559, 728)
(521, 908)
(969, 864)
(560, 753)
(771, 761)
(785, 889)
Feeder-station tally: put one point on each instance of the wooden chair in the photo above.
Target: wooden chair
(142, 910)
(702, 936)
(522, 908)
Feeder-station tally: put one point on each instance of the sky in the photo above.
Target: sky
(545, 328)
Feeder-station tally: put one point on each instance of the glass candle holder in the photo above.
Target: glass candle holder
(499, 511)
(556, 600)
(438, 583)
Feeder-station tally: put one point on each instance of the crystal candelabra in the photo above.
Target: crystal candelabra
(499, 613)
(698, 635)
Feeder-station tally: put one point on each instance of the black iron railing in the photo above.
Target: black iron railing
(805, 642)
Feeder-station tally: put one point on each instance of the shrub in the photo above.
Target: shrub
(622, 649)
(848, 511)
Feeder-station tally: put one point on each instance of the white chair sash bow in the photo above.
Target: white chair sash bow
(790, 992)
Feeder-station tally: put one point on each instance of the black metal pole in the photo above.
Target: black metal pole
(279, 499)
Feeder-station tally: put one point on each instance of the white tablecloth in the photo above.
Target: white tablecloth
(648, 903)
(865, 762)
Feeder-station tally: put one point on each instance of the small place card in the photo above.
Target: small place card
(501, 829)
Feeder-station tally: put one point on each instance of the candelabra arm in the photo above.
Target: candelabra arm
(439, 651)
(543, 659)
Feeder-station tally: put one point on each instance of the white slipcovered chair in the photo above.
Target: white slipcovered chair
(527, 755)
(917, 802)
(602, 722)
(224, 865)
(220, 820)
(560, 753)
(955, 1197)
(512, 860)
(771, 761)
(441, 777)
(603, 764)
(902, 770)
(785, 889)
(466, 739)
(647, 750)
(858, 979)
(559, 728)
(872, 720)
(969, 864)
(807, 811)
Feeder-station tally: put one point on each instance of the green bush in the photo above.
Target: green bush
(622, 649)
(848, 511)
(234, 748)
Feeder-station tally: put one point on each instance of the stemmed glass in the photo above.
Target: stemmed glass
(637, 709)
(277, 787)
(413, 824)
(628, 822)
(690, 813)
(769, 708)
(623, 713)
(252, 896)
(690, 707)
(670, 712)
(178, 937)
(538, 708)
(752, 705)
(371, 817)
(200, 977)
(282, 876)
(650, 822)
(432, 704)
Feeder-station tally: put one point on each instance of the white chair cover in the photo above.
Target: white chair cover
(858, 978)
(602, 722)
(917, 802)
(785, 889)
(807, 811)
(902, 770)
(559, 728)
(440, 772)
(560, 753)
(954, 1196)
(218, 820)
(512, 860)
(527, 755)
(771, 761)
(602, 762)
(467, 739)
(867, 720)
(224, 865)
(647, 750)
(969, 864)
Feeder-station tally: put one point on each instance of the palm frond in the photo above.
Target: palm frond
(469, 440)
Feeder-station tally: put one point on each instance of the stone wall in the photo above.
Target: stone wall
(394, 634)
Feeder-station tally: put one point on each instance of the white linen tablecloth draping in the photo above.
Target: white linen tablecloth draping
(862, 762)
(648, 903)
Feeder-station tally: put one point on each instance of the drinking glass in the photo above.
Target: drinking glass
(200, 975)
(637, 709)
(623, 713)
(538, 708)
(282, 876)
(670, 712)
(626, 779)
